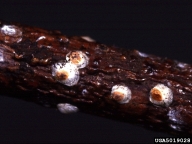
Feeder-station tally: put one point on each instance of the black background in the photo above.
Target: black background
(155, 27)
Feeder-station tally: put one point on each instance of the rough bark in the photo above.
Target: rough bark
(26, 58)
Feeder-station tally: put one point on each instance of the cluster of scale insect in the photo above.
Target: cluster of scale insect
(122, 94)
(70, 68)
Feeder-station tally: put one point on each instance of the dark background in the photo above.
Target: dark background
(155, 27)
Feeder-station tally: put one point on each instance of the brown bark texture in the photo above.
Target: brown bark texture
(28, 54)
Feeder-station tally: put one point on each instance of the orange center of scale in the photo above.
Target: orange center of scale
(118, 96)
(62, 75)
(156, 94)
(75, 57)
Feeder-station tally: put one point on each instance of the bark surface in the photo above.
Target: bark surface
(28, 53)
